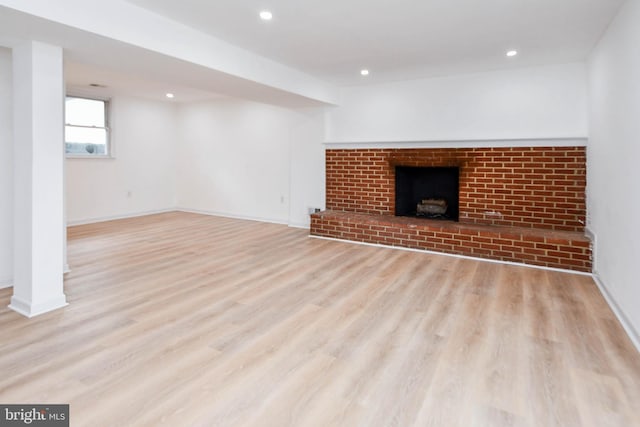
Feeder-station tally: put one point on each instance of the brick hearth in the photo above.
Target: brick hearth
(516, 204)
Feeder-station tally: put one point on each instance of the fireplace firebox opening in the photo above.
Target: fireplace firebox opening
(427, 192)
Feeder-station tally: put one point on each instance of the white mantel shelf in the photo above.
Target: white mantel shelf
(463, 143)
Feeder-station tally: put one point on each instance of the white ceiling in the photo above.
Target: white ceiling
(327, 41)
(80, 76)
(400, 39)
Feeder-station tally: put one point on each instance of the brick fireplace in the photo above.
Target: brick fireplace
(524, 204)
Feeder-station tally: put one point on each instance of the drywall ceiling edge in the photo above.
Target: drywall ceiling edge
(133, 25)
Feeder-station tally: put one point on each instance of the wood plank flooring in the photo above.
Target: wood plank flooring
(188, 320)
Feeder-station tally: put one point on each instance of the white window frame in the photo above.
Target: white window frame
(107, 127)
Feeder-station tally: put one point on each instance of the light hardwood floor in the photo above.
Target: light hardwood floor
(181, 319)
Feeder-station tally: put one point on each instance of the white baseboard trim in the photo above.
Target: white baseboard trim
(115, 217)
(633, 334)
(189, 210)
(30, 309)
(298, 225)
(6, 282)
(424, 251)
(232, 216)
(66, 269)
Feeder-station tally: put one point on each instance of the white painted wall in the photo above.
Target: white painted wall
(613, 155)
(235, 158)
(141, 177)
(6, 169)
(307, 184)
(531, 103)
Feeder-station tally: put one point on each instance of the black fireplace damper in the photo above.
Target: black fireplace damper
(432, 185)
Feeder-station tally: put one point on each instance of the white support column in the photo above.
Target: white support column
(38, 103)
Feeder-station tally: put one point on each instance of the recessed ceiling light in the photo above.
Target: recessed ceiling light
(170, 95)
(364, 72)
(265, 15)
(512, 53)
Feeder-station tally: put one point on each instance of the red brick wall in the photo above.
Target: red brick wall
(537, 187)
(558, 249)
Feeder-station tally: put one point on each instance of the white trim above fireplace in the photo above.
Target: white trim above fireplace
(469, 143)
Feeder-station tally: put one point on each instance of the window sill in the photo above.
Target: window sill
(75, 157)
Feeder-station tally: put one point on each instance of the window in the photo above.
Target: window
(86, 131)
